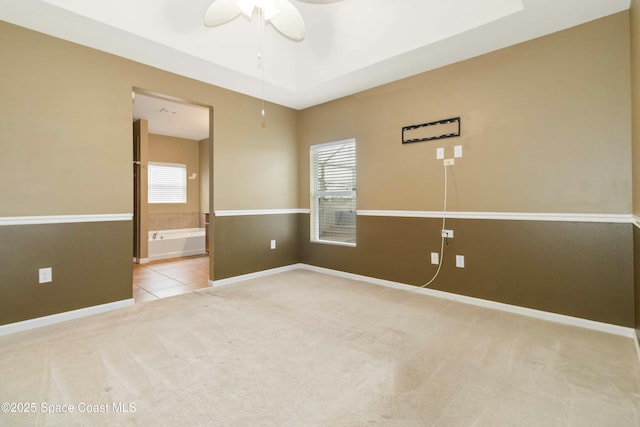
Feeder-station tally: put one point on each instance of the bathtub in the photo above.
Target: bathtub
(164, 244)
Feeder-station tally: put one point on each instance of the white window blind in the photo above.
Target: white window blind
(333, 187)
(167, 183)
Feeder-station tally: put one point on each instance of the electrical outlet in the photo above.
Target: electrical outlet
(457, 151)
(435, 258)
(45, 275)
(440, 153)
(460, 261)
(449, 162)
(273, 244)
(447, 234)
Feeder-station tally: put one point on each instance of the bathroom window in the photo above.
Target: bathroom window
(333, 192)
(167, 183)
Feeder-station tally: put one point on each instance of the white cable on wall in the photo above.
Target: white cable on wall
(442, 238)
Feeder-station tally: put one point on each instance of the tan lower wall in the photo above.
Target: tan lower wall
(635, 135)
(636, 275)
(242, 243)
(577, 269)
(634, 24)
(91, 264)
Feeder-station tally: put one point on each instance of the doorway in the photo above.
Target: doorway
(172, 192)
(162, 279)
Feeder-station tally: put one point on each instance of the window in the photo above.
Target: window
(167, 183)
(333, 192)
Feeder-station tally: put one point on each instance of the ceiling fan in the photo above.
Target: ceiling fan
(280, 13)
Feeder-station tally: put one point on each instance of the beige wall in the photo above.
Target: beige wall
(169, 149)
(635, 100)
(66, 128)
(635, 122)
(66, 149)
(255, 159)
(65, 134)
(545, 128)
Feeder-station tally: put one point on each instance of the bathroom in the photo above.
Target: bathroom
(171, 178)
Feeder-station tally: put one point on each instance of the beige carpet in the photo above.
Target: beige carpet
(306, 349)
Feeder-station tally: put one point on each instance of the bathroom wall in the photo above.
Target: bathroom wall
(204, 154)
(169, 149)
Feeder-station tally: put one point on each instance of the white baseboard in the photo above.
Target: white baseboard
(529, 312)
(523, 311)
(63, 317)
(242, 278)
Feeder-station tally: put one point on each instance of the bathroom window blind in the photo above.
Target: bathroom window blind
(167, 182)
(333, 188)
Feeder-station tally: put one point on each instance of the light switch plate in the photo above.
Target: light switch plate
(273, 244)
(460, 261)
(440, 153)
(457, 151)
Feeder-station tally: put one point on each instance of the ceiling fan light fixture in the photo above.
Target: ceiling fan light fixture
(269, 9)
(246, 6)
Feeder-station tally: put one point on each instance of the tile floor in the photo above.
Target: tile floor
(163, 279)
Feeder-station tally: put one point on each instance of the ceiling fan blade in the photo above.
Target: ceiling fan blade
(220, 12)
(288, 21)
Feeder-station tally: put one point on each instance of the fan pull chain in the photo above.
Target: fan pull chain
(260, 58)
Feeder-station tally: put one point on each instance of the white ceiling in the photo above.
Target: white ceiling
(171, 118)
(350, 45)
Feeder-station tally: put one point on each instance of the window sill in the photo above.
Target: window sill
(330, 242)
